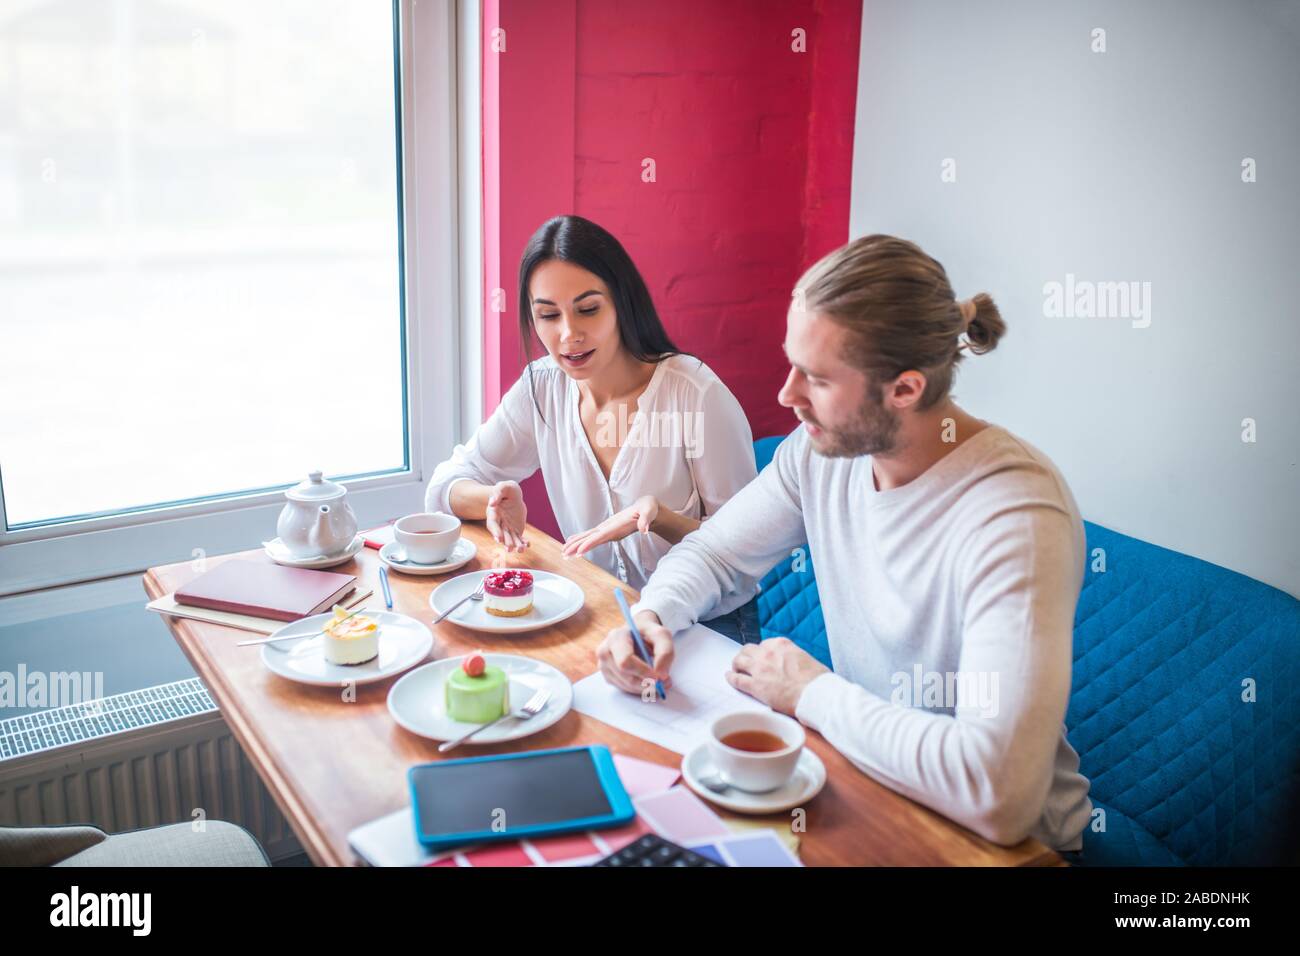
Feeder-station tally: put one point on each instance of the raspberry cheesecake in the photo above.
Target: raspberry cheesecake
(508, 593)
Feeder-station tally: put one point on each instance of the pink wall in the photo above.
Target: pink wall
(752, 144)
(528, 168)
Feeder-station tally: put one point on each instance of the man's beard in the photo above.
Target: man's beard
(873, 432)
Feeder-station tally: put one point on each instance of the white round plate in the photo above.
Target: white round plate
(418, 703)
(554, 599)
(807, 781)
(403, 643)
(277, 552)
(460, 556)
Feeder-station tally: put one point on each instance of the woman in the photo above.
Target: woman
(637, 442)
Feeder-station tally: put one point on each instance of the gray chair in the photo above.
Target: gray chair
(217, 844)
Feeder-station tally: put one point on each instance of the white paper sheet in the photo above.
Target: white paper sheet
(167, 604)
(700, 694)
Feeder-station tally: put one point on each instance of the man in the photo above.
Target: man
(950, 557)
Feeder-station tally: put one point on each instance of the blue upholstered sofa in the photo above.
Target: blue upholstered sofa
(1184, 708)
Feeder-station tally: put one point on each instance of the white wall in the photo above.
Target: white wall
(1122, 165)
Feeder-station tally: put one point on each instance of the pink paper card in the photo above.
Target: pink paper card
(506, 854)
(680, 816)
(621, 837)
(555, 849)
(641, 777)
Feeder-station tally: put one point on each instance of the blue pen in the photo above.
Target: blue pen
(383, 583)
(636, 638)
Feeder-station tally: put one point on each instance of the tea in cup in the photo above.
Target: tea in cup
(756, 751)
(427, 538)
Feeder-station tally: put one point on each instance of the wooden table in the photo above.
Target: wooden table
(332, 766)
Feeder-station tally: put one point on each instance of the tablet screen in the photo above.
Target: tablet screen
(505, 795)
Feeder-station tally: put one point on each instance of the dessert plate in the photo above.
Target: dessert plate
(554, 599)
(277, 552)
(418, 702)
(805, 783)
(460, 556)
(403, 643)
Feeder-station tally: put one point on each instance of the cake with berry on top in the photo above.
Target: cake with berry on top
(508, 593)
(477, 691)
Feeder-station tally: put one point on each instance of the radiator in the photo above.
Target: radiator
(147, 758)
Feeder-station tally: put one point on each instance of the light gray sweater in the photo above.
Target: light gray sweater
(949, 606)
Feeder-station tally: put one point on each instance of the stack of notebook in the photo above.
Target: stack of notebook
(256, 596)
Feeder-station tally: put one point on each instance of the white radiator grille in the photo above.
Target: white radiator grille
(47, 729)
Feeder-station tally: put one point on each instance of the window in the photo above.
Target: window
(230, 253)
(200, 251)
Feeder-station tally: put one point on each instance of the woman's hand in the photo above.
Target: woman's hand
(640, 517)
(507, 514)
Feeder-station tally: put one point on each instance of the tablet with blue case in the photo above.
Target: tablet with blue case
(519, 795)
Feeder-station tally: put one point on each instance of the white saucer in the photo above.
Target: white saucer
(278, 553)
(807, 781)
(403, 643)
(460, 556)
(417, 701)
(555, 598)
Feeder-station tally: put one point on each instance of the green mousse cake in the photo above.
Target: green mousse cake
(476, 700)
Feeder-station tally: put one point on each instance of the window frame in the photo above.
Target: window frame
(438, 215)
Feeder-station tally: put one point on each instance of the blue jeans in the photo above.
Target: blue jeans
(741, 625)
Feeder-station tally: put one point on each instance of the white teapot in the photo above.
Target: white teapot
(317, 521)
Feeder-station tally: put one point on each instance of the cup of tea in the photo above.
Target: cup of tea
(429, 537)
(756, 751)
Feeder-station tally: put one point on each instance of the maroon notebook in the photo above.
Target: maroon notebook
(266, 590)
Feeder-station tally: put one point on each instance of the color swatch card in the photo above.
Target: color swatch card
(680, 816)
(760, 848)
(641, 777)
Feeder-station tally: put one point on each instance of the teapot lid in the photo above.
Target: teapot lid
(315, 488)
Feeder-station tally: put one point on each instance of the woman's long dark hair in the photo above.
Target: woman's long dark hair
(588, 246)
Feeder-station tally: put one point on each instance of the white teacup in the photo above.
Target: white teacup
(427, 538)
(756, 770)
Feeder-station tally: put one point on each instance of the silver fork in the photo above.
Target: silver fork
(476, 596)
(534, 706)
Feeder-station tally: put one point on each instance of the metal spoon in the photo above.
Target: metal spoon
(717, 783)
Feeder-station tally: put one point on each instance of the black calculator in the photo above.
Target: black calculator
(653, 850)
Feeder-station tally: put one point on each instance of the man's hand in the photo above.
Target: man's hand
(507, 514)
(639, 517)
(775, 672)
(618, 660)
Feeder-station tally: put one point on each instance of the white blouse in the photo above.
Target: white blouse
(689, 445)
